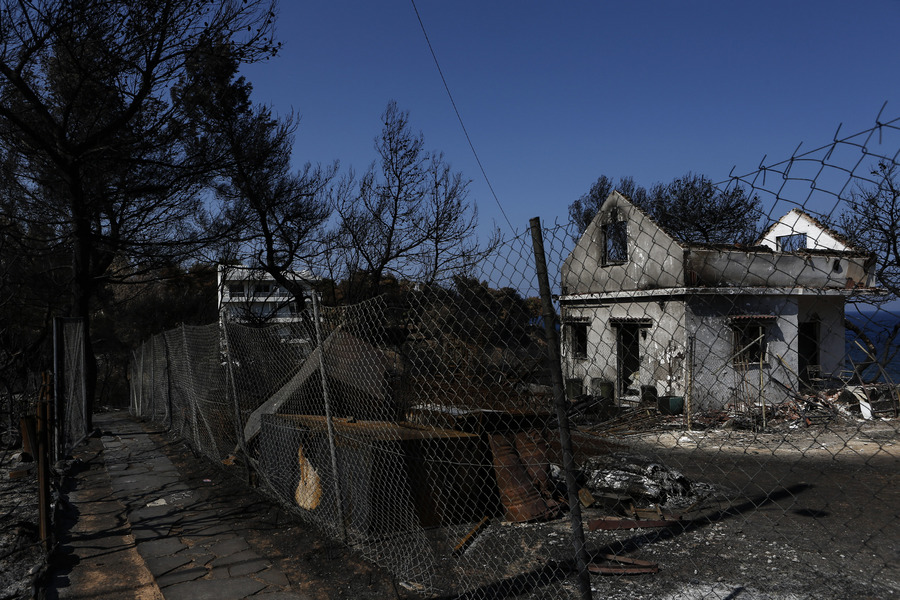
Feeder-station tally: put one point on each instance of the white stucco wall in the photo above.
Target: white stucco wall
(795, 222)
(829, 312)
(716, 382)
(662, 344)
(655, 259)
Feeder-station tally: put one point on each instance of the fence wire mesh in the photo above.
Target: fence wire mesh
(20, 401)
(733, 408)
(73, 406)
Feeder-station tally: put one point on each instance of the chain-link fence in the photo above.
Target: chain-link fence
(71, 405)
(733, 409)
(18, 399)
(67, 391)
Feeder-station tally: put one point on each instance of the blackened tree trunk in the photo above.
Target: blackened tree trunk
(90, 136)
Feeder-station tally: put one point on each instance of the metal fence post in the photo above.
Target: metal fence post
(59, 392)
(85, 405)
(131, 392)
(152, 377)
(168, 383)
(191, 388)
(330, 423)
(238, 428)
(689, 399)
(140, 402)
(43, 459)
(562, 415)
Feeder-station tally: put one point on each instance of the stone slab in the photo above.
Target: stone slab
(161, 547)
(160, 565)
(214, 589)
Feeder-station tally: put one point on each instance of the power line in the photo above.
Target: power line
(459, 117)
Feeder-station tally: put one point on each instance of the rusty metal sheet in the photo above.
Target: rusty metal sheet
(586, 498)
(520, 498)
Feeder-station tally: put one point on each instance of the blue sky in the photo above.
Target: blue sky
(555, 94)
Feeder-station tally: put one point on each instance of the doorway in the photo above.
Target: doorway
(628, 359)
(808, 352)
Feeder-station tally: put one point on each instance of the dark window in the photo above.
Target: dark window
(615, 246)
(749, 343)
(791, 243)
(578, 335)
(236, 290)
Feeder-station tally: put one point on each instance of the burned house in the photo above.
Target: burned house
(645, 315)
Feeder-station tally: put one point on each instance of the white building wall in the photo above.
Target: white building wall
(795, 222)
(662, 346)
(829, 312)
(716, 381)
(245, 292)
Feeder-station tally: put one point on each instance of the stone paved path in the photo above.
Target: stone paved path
(142, 533)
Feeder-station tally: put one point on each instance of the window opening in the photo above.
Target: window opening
(749, 343)
(791, 243)
(578, 335)
(615, 242)
(808, 351)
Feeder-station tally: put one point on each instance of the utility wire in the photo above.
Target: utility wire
(459, 117)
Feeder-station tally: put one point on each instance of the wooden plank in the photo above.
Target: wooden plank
(469, 537)
(622, 565)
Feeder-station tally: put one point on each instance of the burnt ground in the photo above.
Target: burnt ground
(22, 558)
(798, 514)
(807, 513)
(801, 514)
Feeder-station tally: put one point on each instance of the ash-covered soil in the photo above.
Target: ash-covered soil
(22, 558)
(801, 513)
(805, 513)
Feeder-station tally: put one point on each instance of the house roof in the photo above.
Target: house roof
(658, 260)
(814, 221)
(758, 246)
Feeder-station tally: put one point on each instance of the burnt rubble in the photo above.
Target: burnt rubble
(808, 408)
(642, 479)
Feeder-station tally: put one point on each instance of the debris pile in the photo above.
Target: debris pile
(849, 402)
(627, 491)
(641, 479)
(627, 420)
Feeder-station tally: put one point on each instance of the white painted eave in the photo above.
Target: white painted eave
(671, 293)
